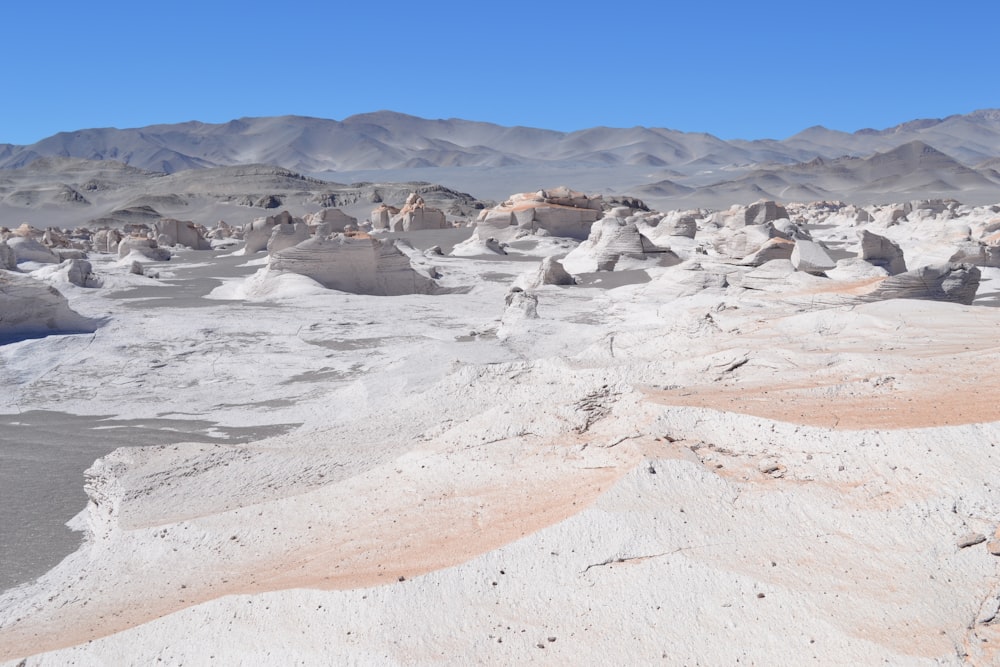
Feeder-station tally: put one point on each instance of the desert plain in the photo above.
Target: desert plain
(483, 395)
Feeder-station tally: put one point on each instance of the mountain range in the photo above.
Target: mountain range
(954, 156)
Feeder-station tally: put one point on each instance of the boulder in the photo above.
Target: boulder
(329, 221)
(610, 239)
(880, 251)
(811, 257)
(764, 211)
(285, 235)
(358, 264)
(978, 254)
(685, 226)
(415, 216)
(944, 282)
(742, 241)
(178, 232)
(381, 217)
(106, 240)
(549, 272)
(80, 273)
(520, 305)
(556, 212)
(31, 309)
(27, 249)
(146, 248)
(257, 234)
(8, 260)
(71, 272)
(772, 249)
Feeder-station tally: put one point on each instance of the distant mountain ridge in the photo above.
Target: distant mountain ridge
(957, 156)
(390, 140)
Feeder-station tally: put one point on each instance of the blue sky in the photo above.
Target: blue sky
(734, 69)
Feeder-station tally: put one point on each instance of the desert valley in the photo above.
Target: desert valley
(391, 390)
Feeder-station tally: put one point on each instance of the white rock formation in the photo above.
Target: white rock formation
(142, 248)
(880, 251)
(8, 260)
(549, 272)
(764, 211)
(610, 239)
(556, 212)
(416, 215)
(947, 282)
(357, 264)
(29, 309)
(381, 217)
(257, 233)
(329, 221)
(178, 232)
(77, 272)
(286, 234)
(27, 249)
(811, 257)
(106, 240)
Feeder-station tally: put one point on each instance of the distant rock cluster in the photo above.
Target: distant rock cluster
(766, 247)
(823, 253)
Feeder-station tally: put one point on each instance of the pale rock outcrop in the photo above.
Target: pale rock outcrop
(29, 308)
(955, 283)
(739, 242)
(880, 251)
(256, 234)
(811, 257)
(53, 238)
(179, 232)
(979, 254)
(944, 282)
(556, 212)
(764, 211)
(27, 231)
(610, 239)
(106, 240)
(77, 272)
(552, 272)
(613, 239)
(143, 248)
(8, 260)
(685, 226)
(416, 215)
(772, 249)
(223, 230)
(357, 264)
(381, 217)
(28, 249)
(520, 306)
(331, 221)
(522, 303)
(285, 235)
(549, 272)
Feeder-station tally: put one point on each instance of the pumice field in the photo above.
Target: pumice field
(393, 391)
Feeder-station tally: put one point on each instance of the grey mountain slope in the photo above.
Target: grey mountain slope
(389, 140)
(912, 170)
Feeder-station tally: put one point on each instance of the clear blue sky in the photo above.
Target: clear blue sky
(734, 69)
